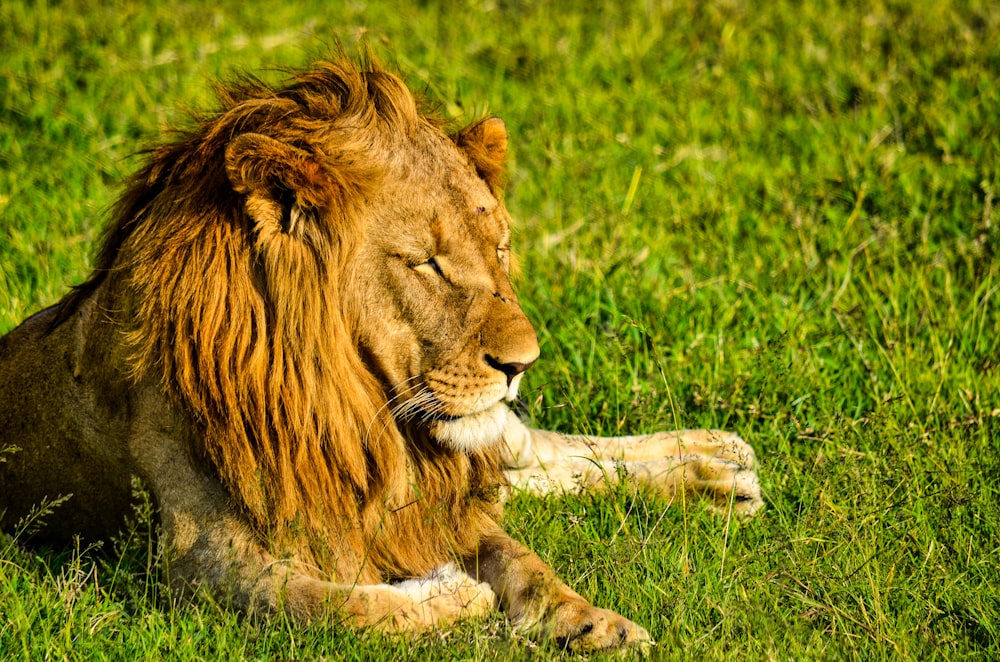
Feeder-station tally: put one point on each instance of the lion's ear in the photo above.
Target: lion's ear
(488, 135)
(281, 182)
(485, 142)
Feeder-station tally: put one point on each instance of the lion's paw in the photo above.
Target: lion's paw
(581, 627)
(723, 469)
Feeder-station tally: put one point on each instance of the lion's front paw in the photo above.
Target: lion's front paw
(724, 469)
(581, 627)
(717, 466)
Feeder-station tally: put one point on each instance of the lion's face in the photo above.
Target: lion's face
(438, 321)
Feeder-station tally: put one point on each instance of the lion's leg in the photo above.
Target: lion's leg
(248, 579)
(540, 604)
(445, 596)
(210, 549)
(712, 464)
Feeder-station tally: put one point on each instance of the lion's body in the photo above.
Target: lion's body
(299, 336)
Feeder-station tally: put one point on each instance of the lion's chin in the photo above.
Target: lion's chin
(472, 432)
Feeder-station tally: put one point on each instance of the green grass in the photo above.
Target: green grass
(774, 218)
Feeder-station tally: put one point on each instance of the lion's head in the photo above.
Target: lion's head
(437, 318)
(319, 275)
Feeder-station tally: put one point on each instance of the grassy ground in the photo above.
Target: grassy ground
(776, 218)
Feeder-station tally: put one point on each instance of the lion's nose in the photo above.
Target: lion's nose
(510, 368)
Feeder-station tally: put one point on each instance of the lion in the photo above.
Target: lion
(301, 337)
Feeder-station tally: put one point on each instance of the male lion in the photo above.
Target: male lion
(301, 336)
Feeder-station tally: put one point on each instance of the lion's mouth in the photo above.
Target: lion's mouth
(434, 417)
(480, 420)
(429, 407)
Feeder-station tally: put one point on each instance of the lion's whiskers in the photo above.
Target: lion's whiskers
(395, 409)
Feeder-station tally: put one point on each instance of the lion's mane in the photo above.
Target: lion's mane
(247, 328)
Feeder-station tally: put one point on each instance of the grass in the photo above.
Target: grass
(777, 218)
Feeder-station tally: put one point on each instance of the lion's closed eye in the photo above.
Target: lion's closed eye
(432, 267)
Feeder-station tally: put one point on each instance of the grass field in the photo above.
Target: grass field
(776, 218)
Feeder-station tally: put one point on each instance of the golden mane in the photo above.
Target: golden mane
(246, 327)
